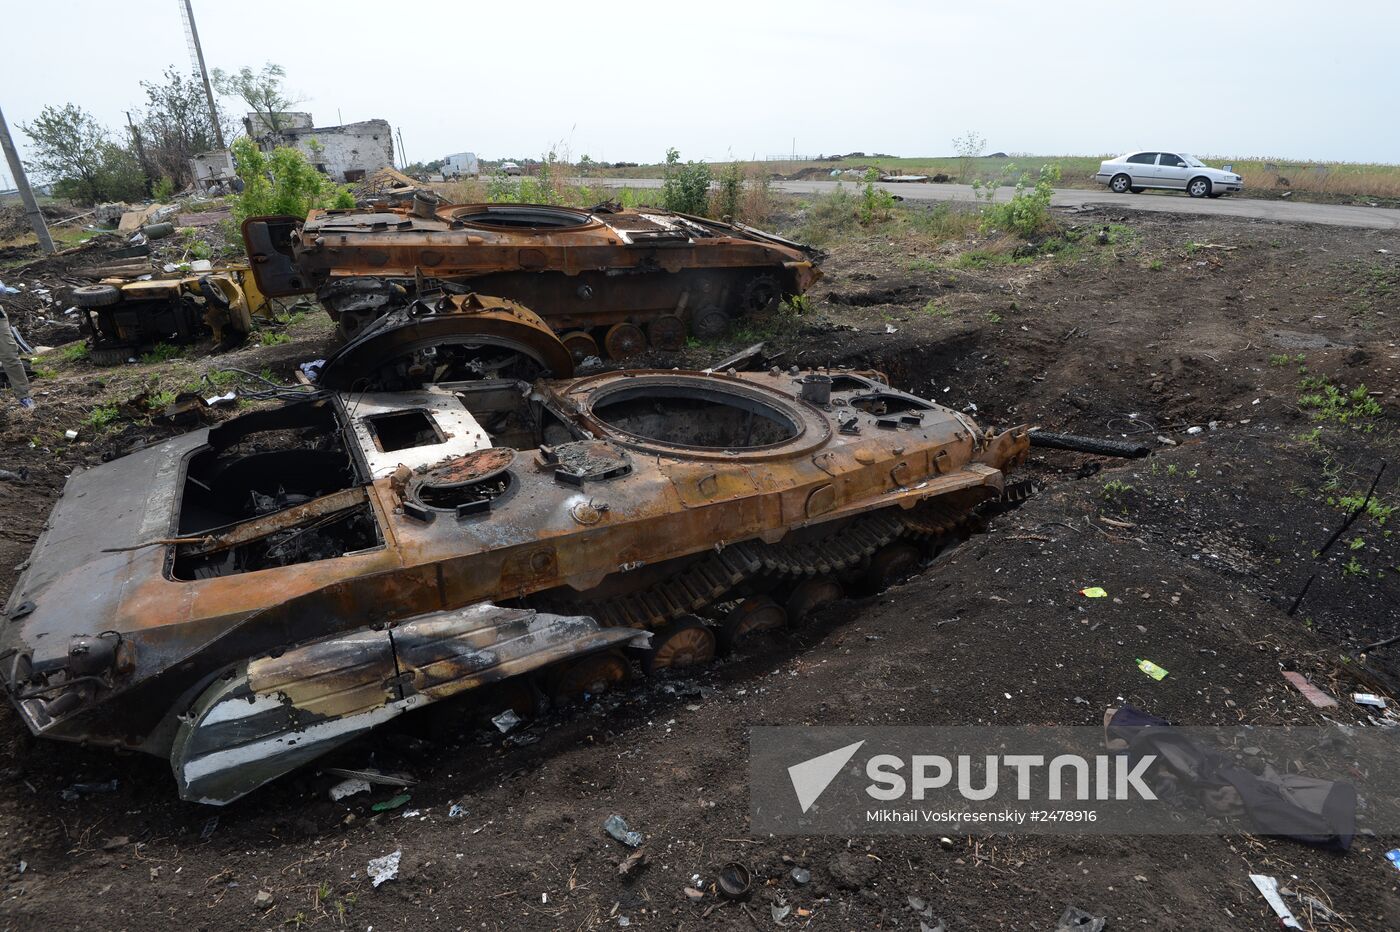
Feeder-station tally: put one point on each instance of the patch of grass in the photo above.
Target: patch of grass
(273, 337)
(938, 309)
(922, 265)
(162, 399)
(1377, 510)
(101, 416)
(74, 351)
(1114, 489)
(1156, 265)
(161, 352)
(41, 372)
(1355, 408)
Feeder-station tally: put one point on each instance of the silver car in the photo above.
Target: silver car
(1171, 171)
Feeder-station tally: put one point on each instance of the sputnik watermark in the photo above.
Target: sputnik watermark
(1072, 780)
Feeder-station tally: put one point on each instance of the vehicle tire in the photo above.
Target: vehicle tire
(1215, 194)
(1198, 187)
(96, 295)
(1137, 190)
(1120, 184)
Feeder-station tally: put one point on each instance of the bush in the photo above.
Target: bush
(875, 203)
(1028, 211)
(728, 194)
(281, 182)
(685, 188)
(163, 189)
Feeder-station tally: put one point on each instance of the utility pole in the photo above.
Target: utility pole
(31, 207)
(403, 156)
(140, 152)
(192, 34)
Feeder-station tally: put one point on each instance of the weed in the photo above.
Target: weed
(1115, 488)
(273, 337)
(41, 372)
(875, 203)
(727, 195)
(685, 188)
(161, 352)
(1356, 543)
(1028, 211)
(797, 305)
(100, 416)
(935, 309)
(993, 317)
(1280, 359)
(1156, 265)
(1192, 473)
(161, 399)
(1353, 408)
(1353, 567)
(74, 351)
(922, 265)
(163, 189)
(1376, 510)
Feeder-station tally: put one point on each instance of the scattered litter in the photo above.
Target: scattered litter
(1093, 592)
(1314, 695)
(349, 788)
(1074, 919)
(72, 793)
(1370, 699)
(385, 868)
(7, 476)
(264, 899)
(506, 720)
(734, 881)
(393, 803)
(779, 913)
(800, 875)
(1268, 886)
(1194, 430)
(693, 894)
(413, 813)
(891, 328)
(71, 434)
(631, 864)
(222, 400)
(1151, 669)
(456, 811)
(616, 826)
(373, 776)
(210, 826)
(1312, 904)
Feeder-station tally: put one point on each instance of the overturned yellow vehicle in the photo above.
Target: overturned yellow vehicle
(244, 598)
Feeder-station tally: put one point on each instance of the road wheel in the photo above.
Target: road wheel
(591, 675)
(891, 564)
(685, 642)
(761, 293)
(709, 323)
(580, 345)
(810, 595)
(1121, 184)
(624, 340)
(1215, 194)
(96, 295)
(1199, 187)
(667, 333)
(754, 614)
(1137, 190)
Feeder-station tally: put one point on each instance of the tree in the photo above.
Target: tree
(75, 152)
(176, 125)
(262, 91)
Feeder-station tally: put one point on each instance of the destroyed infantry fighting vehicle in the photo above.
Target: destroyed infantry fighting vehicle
(246, 597)
(608, 281)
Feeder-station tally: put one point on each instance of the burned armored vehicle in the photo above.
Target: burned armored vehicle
(609, 281)
(246, 597)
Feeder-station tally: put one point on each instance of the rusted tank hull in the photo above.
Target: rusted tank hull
(419, 532)
(582, 271)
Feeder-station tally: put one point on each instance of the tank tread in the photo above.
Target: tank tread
(708, 580)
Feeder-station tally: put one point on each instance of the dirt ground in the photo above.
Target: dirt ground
(1200, 351)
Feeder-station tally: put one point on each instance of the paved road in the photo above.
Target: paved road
(1376, 218)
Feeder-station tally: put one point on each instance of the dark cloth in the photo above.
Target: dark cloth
(1307, 809)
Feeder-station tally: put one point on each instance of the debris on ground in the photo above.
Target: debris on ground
(1074, 919)
(373, 776)
(1268, 888)
(1093, 592)
(1151, 669)
(78, 790)
(632, 864)
(264, 900)
(616, 826)
(383, 868)
(1314, 695)
(506, 720)
(349, 787)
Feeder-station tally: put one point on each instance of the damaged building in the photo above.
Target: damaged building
(344, 153)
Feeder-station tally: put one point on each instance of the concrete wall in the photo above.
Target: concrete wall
(344, 153)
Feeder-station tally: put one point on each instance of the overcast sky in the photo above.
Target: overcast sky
(623, 80)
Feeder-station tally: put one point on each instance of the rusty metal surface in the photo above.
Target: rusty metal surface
(599, 482)
(579, 269)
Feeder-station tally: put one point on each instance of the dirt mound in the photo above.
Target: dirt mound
(14, 223)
